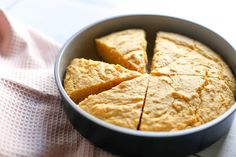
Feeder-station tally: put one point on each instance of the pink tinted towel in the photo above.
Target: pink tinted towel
(32, 120)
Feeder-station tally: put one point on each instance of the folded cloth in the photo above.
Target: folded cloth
(32, 120)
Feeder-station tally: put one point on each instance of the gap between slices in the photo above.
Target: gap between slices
(144, 102)
(189, 86)
(177, 109)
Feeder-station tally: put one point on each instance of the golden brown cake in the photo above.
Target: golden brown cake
(166, 108)
(84, 77)
(189, 84)
(180, 102)
(127, 48)
(121, 105)
(216, 99)
(175, 54)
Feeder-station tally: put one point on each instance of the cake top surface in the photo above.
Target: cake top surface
(121, 105)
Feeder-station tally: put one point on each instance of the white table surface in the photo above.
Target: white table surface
(62, 18)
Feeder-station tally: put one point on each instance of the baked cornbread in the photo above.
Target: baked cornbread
(181, 101)
(121, 105)
(216, 98)
(177, 54)
(127, 48)
(189, 84)
(166, 109)
(84, 77)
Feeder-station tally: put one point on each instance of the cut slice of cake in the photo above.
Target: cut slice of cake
(171, 46)
(121, 105)
(176, 54)
(127, 48)
(84, 77)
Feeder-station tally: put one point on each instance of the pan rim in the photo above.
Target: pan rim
(148, 134)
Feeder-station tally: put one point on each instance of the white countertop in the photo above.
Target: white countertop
(62, 18)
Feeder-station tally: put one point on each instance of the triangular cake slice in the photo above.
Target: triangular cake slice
(171, 46)
(127, 48)
(84, 77)
(121, 105)
(176, 54)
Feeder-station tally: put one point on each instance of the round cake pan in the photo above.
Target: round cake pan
(127, 142)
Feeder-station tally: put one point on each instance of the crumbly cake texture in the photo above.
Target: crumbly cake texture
(175, 54)
(189, 84)
(121, 105)
(179, 102)
(84, 77)
(127, 48)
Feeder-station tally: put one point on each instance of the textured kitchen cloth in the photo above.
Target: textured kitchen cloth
(32, 121)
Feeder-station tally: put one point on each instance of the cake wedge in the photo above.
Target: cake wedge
(122, 105)
(127, 48)
(84, 77)
(175, 54)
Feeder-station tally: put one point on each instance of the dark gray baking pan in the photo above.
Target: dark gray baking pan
(127, 142)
